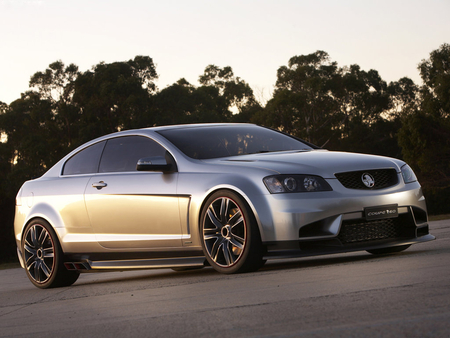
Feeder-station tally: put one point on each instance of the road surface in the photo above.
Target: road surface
(347, 295)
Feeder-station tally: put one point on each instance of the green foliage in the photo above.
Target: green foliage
(184, 103)
(435, 73)
(32, 134)
(175, 104)
(426, 147)
(220, 95)
(332, 106)
(235, 92)
(56, 82)
(425, 133)
(303, 102)
(403, 94)
(114, 96)
(340, 108)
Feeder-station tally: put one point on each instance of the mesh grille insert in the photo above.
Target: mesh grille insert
(384, 178)
(353, 232)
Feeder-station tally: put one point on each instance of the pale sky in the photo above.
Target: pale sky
(254, 37)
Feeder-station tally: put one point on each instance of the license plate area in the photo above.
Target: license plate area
(381, 212)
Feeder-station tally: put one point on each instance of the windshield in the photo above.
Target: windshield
(205, 142)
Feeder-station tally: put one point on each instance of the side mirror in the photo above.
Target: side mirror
(154, 163)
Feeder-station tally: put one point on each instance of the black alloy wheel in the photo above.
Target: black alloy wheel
(230, 236)
(43, 257)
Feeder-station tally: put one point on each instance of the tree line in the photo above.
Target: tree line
(338, 108)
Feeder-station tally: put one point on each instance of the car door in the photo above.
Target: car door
(129, 208)
(66, 194)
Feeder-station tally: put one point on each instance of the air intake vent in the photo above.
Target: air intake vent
(357, 231)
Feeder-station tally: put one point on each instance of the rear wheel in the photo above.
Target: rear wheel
(230, 236)
(389, 250)
(43, 257)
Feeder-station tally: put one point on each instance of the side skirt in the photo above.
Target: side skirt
(157, 263)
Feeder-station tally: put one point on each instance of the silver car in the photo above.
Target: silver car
(226, 195)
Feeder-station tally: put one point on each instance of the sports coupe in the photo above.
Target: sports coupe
(226, 195)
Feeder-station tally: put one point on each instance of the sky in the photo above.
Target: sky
(254, 37)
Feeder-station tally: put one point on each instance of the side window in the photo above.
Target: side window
(123, 153)
(84, 162)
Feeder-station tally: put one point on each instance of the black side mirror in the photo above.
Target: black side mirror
(154, 163)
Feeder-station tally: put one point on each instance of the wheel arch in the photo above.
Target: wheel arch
(43, 258)
(49, 215)
(227, 250)
(237, 191)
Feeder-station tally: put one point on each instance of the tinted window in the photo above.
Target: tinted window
(85, 161)
(223, 141)
(123, 153)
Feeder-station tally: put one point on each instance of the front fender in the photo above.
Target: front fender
(251, 190)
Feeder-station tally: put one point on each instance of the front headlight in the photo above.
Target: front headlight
(408, 174)
(295, 183)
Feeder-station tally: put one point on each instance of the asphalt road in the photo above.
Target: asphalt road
(347, 295)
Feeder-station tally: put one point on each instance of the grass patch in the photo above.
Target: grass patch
(438, 217)
(5, 266)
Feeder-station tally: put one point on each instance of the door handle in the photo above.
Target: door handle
(99, 185)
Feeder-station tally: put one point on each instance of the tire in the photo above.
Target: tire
(393, 249)
(229, 234)
(43, 257)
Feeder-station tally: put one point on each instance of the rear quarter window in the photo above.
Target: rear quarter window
(85, 161)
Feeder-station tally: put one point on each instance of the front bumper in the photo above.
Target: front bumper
(410, 227)
(335, 221)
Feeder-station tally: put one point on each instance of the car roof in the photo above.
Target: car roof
(197, 125)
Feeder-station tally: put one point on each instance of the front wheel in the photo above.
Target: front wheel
(43, 257)
(230, 236)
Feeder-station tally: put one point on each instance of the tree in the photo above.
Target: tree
(404, 96)
(56, 85)
(304, 102)
(435, 73)
(185, 103)
(32, 134)
(222, 97)
(56, 82)
(328, 105)
(367, 104)
(66, 108)
(63, 109)
(425, 134)
(115, 96)
(6, 153)
(235, 92)
(175, 104)
(9, 185)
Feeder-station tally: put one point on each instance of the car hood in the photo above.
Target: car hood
(316, 162)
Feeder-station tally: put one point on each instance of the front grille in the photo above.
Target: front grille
(384, 178)
(362, 231)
